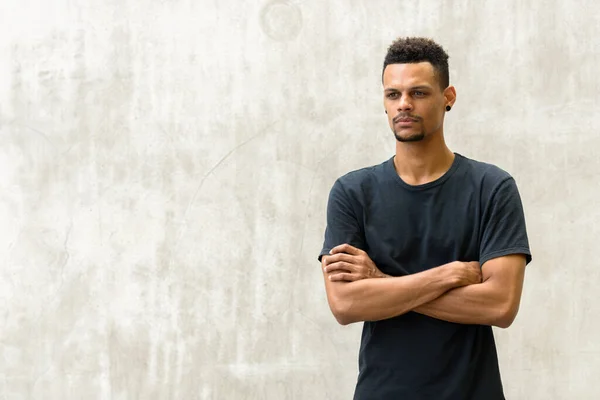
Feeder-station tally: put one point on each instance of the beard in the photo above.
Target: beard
(414, 137)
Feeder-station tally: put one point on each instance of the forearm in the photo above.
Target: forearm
(479, 304)
(377, 299)
(493, 302)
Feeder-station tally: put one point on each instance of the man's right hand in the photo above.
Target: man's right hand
(466, 273)
(348, 264)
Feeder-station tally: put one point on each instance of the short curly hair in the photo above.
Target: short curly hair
(418, 49)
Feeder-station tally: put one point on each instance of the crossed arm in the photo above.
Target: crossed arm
(457, 292)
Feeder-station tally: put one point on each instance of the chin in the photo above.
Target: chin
(416, 137)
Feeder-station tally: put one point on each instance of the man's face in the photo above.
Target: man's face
(414, 101)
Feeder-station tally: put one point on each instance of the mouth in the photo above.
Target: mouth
(405, 120)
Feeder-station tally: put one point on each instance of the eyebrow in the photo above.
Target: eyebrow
(420, 87)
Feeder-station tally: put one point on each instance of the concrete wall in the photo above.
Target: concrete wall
(164, 169)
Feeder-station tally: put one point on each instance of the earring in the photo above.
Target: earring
(448, 108)
(386, 111)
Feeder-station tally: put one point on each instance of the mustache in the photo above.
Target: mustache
(405, 116)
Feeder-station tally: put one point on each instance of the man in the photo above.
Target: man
(428, 248)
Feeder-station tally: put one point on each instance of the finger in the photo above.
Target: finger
(341, 257)
(343, 277)
(339, 266)
(346, 248)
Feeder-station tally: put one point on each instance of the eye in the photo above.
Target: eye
(418, 93)
(392, 95)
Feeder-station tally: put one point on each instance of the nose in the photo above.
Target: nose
(404, 104)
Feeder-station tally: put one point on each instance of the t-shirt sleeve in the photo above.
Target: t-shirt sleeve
(504, 230)
(343, 225)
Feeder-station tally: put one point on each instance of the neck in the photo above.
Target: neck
(418, 163)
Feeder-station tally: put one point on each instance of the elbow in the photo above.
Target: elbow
(504, 322)
(343, 319)
(506, 316)
(341, 311)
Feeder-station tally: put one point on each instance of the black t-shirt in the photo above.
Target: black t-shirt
(472, 213)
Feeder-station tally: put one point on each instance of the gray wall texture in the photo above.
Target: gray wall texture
(165, 166)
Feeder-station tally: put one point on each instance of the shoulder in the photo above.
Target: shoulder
(362, 180)
(488, 177)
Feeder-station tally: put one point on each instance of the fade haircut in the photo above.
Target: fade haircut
(417, 49)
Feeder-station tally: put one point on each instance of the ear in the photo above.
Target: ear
(449, 96)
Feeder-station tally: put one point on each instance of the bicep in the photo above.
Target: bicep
(334, 291)
(505, 274)
(504, 230)
(343, 224)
